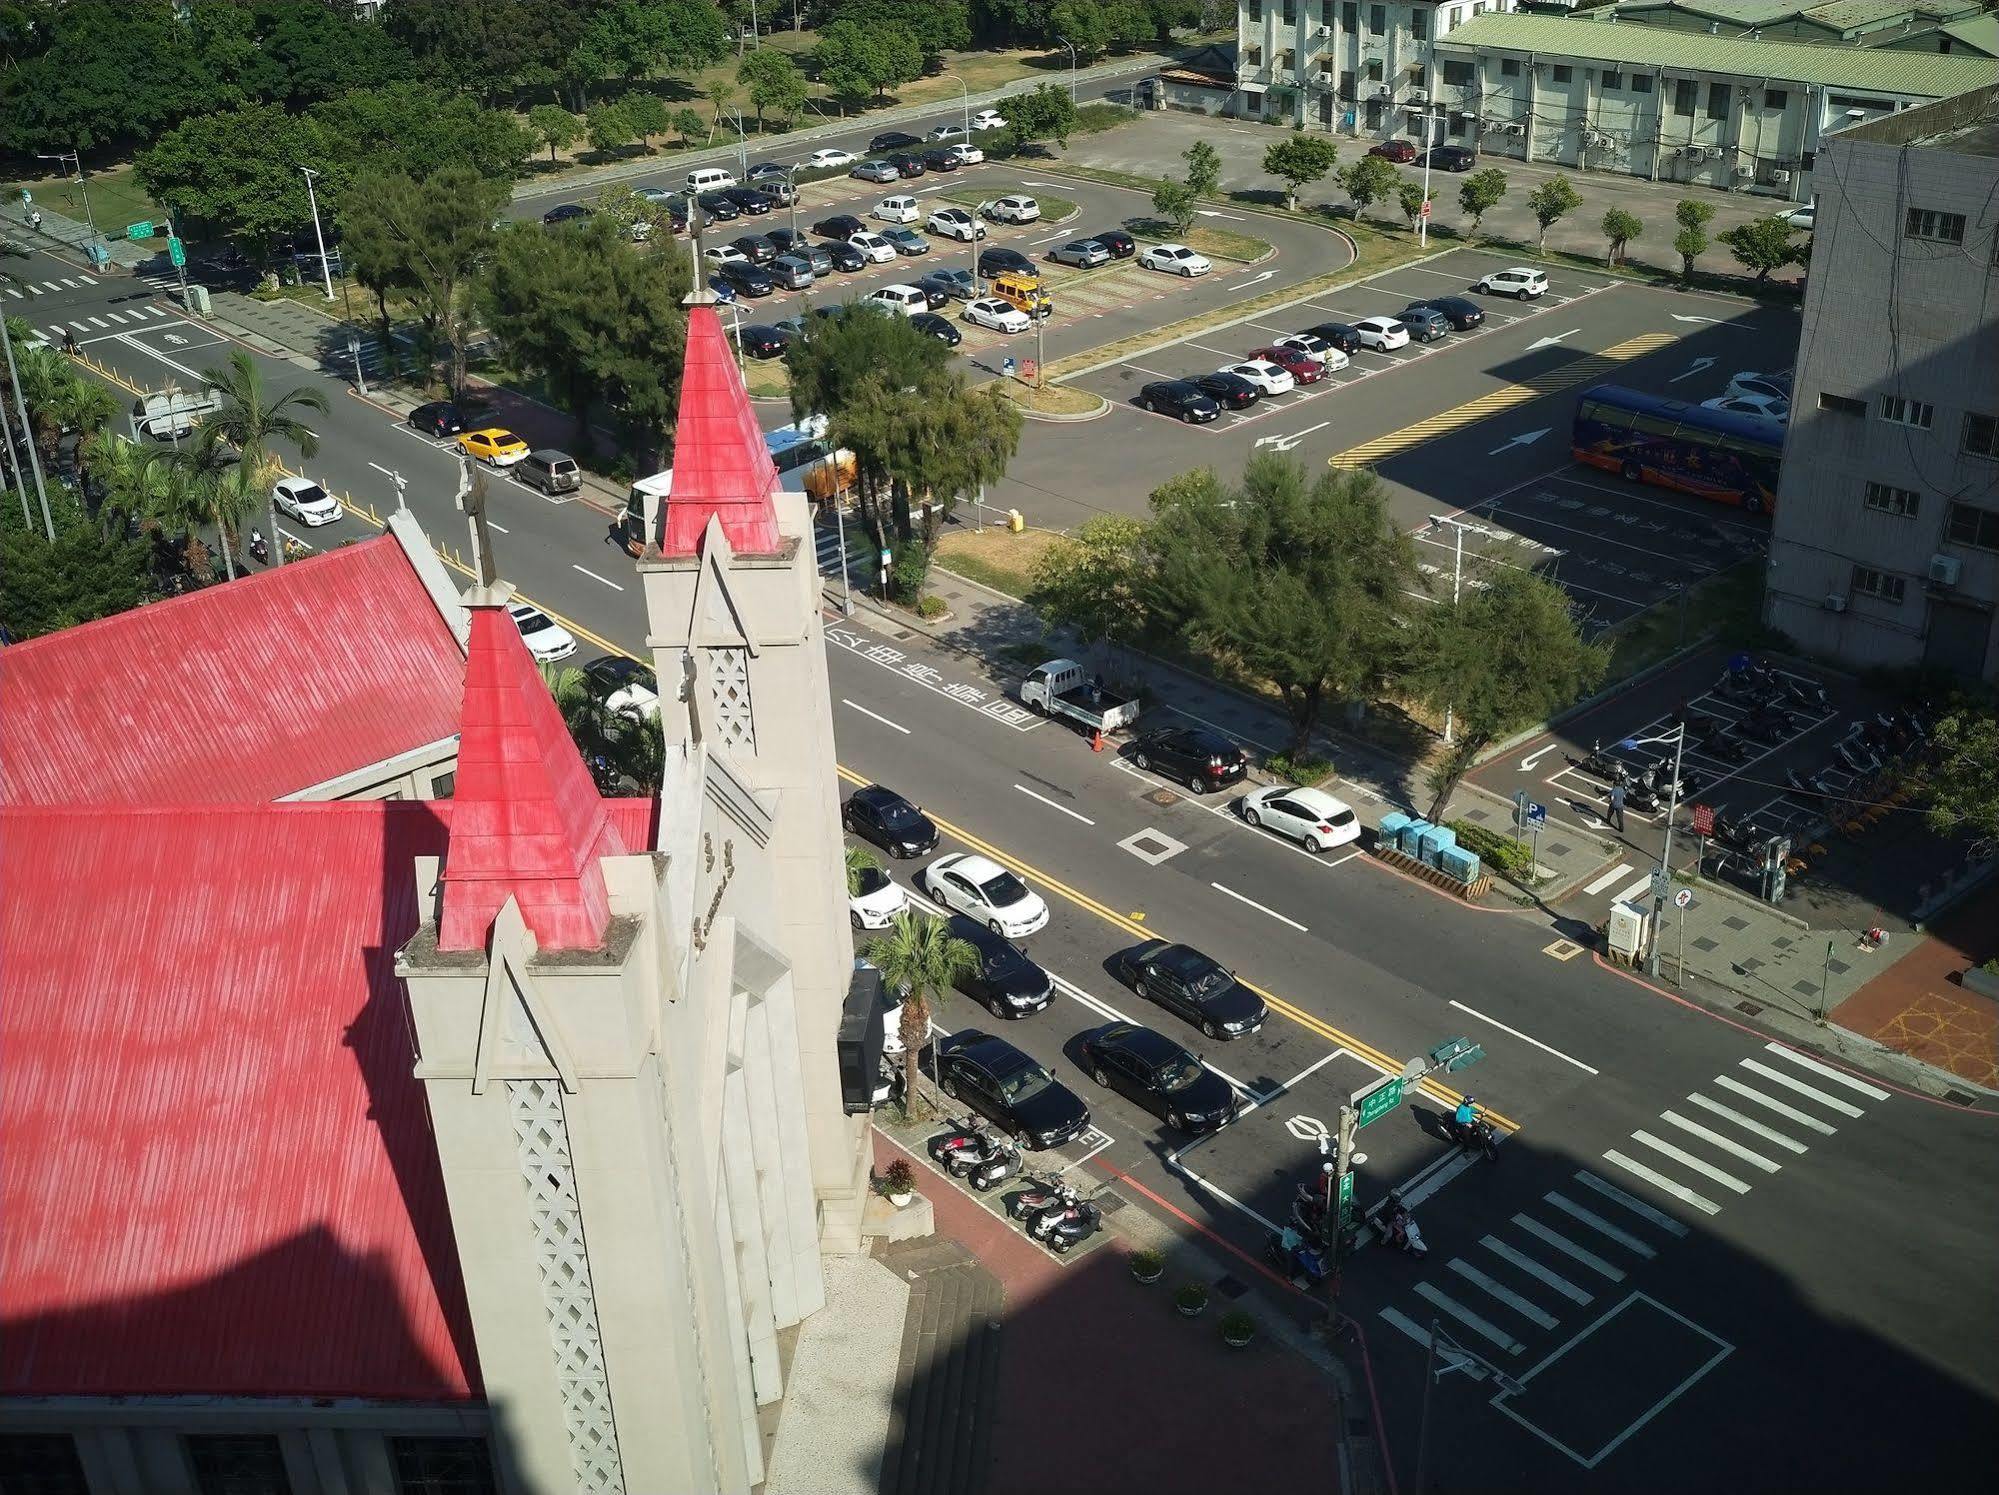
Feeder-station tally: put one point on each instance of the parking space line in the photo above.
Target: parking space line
(1470, 1320)
(1790, 1112)
(1659, 1181)
(1262, 908)
(1540, 1318)
(1602, 1226)
(1534, 1269)
(1073, 815)
(1569, 1248)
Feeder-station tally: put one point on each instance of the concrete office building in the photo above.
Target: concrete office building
(1885, 548)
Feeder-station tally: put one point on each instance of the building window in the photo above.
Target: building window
(1641, 82)
(1841, 404)
(1776, 99)
(1939, 228)
(1685, 93)
(238, 1464)
(1415, 77)
(1973, 526)
(1255, 12)
(1374, 70)
(1252, 102)
(1887, 500)
(41, 1464)
(1479, 8)
(1289, 14)
(1867, 582)
(441, 785)
(1717, 101)
(1981, 436)
(1350, 16)
(1377, 20)
(1612, 79)
(1347, 86)
(1898, 411)
(1419, 24)
(1457, 74)
(1509, 67)
(1457, 127)
(442, 1466)
(1563, 72)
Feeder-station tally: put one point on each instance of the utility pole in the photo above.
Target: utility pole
(28, 431)
(1666, 855)
(76, 161)
(1437, 521)
(325, 268)
(13, 459)
(1456, 1357)
(1423, 229)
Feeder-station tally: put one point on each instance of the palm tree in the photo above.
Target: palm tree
(196, 489)
(87, 408)
(131, 476)
(859, 861)
(250, 420)
(919, 956)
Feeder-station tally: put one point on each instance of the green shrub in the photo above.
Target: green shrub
(931, 606)
(1091, 118)
(1501, 853)
(1302, 770)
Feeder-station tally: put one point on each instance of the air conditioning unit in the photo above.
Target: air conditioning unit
(1417, 96)
(1743, 173)
(1781, 178)
(1715, 153)
(1835, 603)
(1943, 570)
(1384, 92)
(1323, 31)
(1516, 129)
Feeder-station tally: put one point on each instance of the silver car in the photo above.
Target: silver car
(906, 241)
(1085, 254)
(876, 171)
(792, 272)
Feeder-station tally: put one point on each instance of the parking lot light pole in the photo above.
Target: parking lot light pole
(325, 267)
(1438, 521)
(1423, 229)
(1072, 66)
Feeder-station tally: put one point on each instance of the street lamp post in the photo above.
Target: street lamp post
(1429, 119)
(1460, 1359)
(1458, 527)
(76, 161)
(968, 102)
(1678, 738)
(743, 145)
(1072, 66)
(325, 267)
(27, 430)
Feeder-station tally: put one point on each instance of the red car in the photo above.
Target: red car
(1401, 152)
(1302, 367)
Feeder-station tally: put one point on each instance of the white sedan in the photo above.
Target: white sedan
(1175, 259)
(1765, 407)
(1268, 378)
(1013, 208)
(872, 247)
(1313, 347)
(305, 501)
(1383, 334)
(547, 640)
(988, 119)
(968, 155)
(877, 899)
(1312, 817)
(827, 159)
(956, 223)
(724, 254)
(1001, 316)
(984, 890)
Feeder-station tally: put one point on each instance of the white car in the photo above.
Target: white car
(724, 254)
(1001, 316)
(1268, 378)
(877, 900)
(1383, 334)
(984, 890)
(1012, 208)
(897, 210)
(1175, 259)
(1766, 407)
(1312, 817)
(988, 119)
(1768, 386)
(1804, 217)
(968, 155)
(624, 686)
(546, 639)
(956, 223)
(305, 501)
(1315, 348)
(872, 247)
(827, 159)
(1520, 281)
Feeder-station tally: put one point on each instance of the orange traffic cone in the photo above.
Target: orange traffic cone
(1097, 740)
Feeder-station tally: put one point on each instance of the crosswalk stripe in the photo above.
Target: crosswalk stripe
(1801, 1087)
(115, 316)
(1872, 1091)
(1637, 1207)
(50, 285)
(79, 326)
(1563, 1244)
(1708, 1134)
(1533, 1268)
(1768, 1134)
(1659, 1181)
(14, 293)
(1421, 1335)
(87, 280)
(1634, 889)
(1469, 1319)
(1597, 1223)
(1607, 879)
(1730, 1083)
(1681, 1155)
(97, 321)
(1504, 1294)
(68, 284)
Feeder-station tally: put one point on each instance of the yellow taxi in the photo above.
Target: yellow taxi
(495, 445)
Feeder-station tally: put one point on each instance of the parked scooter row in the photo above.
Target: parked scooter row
(971, 1152)
(1765, 685)
(1053, 1213)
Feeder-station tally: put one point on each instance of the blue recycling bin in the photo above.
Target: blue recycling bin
(1433, 841)
(1411, 837)
(1390, 833)
(1456, 862)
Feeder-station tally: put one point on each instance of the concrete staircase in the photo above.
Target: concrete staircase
(939, 1436)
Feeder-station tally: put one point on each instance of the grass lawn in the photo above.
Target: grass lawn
(1216, 243)
(1053, 209)
(1051, 399)
(115, 199)
(1730, 603)
(766, 378)
(998, 558)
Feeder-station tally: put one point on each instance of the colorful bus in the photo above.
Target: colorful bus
(806, 463)
(1715, 454)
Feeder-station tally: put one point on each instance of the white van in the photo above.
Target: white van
(906, 299)
(710, 179)
(898, 210)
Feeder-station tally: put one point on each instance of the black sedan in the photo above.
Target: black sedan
(841, 226)
(1007, 984)
(1456, 310)
(756, 248)
(749, 200)
(1452, 158)
(890, 821)
(761, 341)
(1341, 335)
(941, 160)
(1121, 244)
(931, 325)
(745, 279)
(1004, 262)
(1153, 1070)
(1199, 757)
(569, 212)
(1231, 391)
(438, 418)
(1013, 1091)
(906, 165)
(1192, 986)
(718, 207)
(786, 241)
(892, 140)
(843, 255)
(1180, 397)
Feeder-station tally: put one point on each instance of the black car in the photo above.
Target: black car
(941, 160)
(935, 292)
(745, 279)
(749, 200)
(786, 241)
(1011, 1090)
(761, 341)
(718, 207)
(1425, 326)
(1003, 262)
(892, 140)
(1456, 310)
(610, 673)
(886, 818)
(907, 165)
(1231, 391)
(756, 248)
(841, 226)
(1199, 757)
(1007, 984)
(1121, 244)
(1340, 334)
(1181, 397)
(843, 255)
(1451, 158)
(569, 212)
(931, 325)
(438, 418)
(1156, 1072)
(1192, 986)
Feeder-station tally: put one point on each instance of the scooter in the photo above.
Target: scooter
(995, 1170)
(963, 1148)
(1398, 1228)
(1308, 1211)
(1296, 1256)
(1600, 765)
(1040, 1194)
(1478, 1136)
(1809, 785)
(1857, 757)
(260, 548)
(1074, 1219)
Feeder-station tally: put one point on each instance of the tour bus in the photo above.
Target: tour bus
(806, 463)
(1715, 454)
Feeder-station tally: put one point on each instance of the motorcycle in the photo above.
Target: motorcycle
(1599, 765)
(1308, 1211)
(1476, 1136)
(995, 1170)
(260, 548)
(1070, 1220)
(1808, 786)
(962, 1148)
(1399, 1229)
(1295, 1256)
(1858, 758)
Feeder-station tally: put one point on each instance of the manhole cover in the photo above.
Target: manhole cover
(1163, 797)
(1749, 1007)
(1231, 1287)
(902, 633)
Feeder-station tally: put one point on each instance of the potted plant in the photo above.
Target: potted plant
(1147, 1266)
(1191, 1299)
(1238, 1329)
(898, 1182)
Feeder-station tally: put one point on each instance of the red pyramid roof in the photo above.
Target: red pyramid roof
(721, 466)
(527, 820)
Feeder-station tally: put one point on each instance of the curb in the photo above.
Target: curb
(1061, 418)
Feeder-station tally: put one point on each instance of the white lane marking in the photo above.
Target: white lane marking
(1633, 890)
(876, 715)
(1414, 1193)
(87, 280)
(1504, 1294)
(1173, 1161)
(1768, 1134)
(1524, 1038)
(14, 293)
(1421, 1335)
(1659, 1181)
(1827, 1070)
(69, 283)
(1534, 1269)
(1801, 1087)
(115, 316)
(1778, 1106)
(1709, 1135)
(1280, 918)
(1568, 1247)
(97, 321)
(1602, 1226)
(1469, 1319)
(500, 528)
(50, 285)
(1637, 1207)
(1053, 806)
(1686, 1159)
(1607, 879)
(595, 577)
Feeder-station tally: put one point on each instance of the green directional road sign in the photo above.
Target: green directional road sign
(1346, 1188)
(176, 253)
(1378, 1102)
(137, 231)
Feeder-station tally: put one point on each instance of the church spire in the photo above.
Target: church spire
(721, 466)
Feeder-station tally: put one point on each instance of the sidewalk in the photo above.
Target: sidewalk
(1918, 1007)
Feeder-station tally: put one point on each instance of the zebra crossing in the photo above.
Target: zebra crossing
(826, 544)
(26, 289)
(107, 321)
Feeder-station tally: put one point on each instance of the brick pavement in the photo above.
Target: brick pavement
(1917, 1007)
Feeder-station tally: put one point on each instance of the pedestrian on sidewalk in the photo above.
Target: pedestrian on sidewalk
(35, 220)
(1617, 807)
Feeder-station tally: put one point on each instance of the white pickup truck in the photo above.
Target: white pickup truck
(1059, 688)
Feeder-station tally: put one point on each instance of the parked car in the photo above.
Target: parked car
(966, 153)
(1269, 378)
(1194, 987)
(1341, 335)
(494, 445)
(1519, 281)
(749, 200)
(932, 325)
(1462, 314)
(988, 119)
(1179, 397)
(1014, 1092)
(876, 171)
(1805, 218)
(995, 262)
(746, 279)
(818, 256)
(941, 158)
(906, 241)
(903, 300)
(718, 208)
(623, 685)
(956, 223)
(873, 247)
(569, 212)
(768, 171)
(842, 226)
(945, 132)
(1315, 819)
(1313, 347)
(1005, 982)
(827, 158)
(1425, 326)
(1302, 367)
(1121, 244)
(1230, 391)
(1013, 208)
(1770, 386)
(956, 285)
(760, 340)
(1452, 158)
(898, 209)
(1160, 1075)
(792, 327)
(1060, 688)
(1382, 334)
(437, 418)
(717, 255)
(1000, 316)
(892, 140)
(1199, 757)
(875, 899)
(1084, 254)
(906, 165)
(551, 471)
(842, 255)
(1401, 152)
(791, 271)
(1764, 407)
(933, 293)
(891, 822)
(547, 640)
(983, 890)
(755, 248)
(1175, 259)
(305, 501)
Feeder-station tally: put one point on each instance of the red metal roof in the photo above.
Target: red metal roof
(242, 692)
(527, 821)
(721, 466)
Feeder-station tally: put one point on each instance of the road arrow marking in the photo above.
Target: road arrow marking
(1525, 438)
(1711, 321)
(1285, 443)
(1692, 369)
(1527, 763)
(1213, 213)
(1255, 279)
(1549, 342)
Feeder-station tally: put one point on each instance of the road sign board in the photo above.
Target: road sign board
(1380, 1099)
(176, 253)
(1346, 1188)
(1703, 820)
(1426, 210)
(1536, 814)
(1682, 898)
(1661, 884)
(137, 231)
